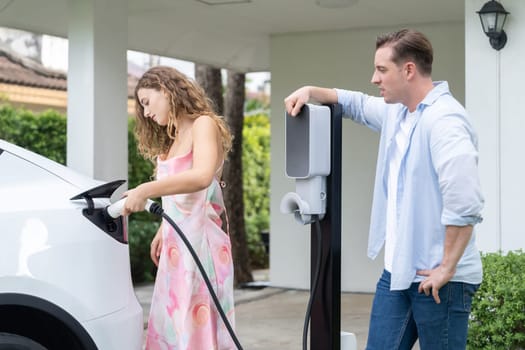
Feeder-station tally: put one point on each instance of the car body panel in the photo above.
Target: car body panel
(66, 174)
(113, 331)
(52, 251)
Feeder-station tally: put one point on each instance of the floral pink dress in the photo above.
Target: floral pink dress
(183, 315)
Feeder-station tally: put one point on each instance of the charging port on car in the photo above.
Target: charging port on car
(116, 228)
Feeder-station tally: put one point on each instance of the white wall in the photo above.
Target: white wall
(494, 81)
(339, 59)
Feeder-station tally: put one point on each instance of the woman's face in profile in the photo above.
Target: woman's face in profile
(155, 104)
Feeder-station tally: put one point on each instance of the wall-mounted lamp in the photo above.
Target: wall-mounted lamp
(493, 16)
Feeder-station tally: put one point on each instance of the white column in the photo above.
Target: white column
(482, 104)
(97, 88)
(493, 87)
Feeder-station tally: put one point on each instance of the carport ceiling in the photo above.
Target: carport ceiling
(232, 33)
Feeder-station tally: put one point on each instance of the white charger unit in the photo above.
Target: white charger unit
(307, 159)
(308, 142)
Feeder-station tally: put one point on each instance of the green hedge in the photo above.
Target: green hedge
(256, 182)
(139, 169)
(141, 226)
(45, 133)
(141, 232)
(497, 320)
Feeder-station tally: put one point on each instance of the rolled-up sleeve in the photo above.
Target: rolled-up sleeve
(455, 158)
(363, 109)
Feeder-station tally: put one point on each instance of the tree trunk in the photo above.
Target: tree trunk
(232, 175)
(211, 81)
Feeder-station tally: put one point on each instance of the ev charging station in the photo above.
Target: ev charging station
(313, 159)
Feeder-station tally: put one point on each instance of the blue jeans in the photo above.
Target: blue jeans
(399, 318)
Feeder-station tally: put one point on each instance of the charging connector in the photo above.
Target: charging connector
(115, 210)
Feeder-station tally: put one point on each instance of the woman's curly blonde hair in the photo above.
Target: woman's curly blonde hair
(186, 98)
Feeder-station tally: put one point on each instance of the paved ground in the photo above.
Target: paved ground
(272, 318)
(276, 322)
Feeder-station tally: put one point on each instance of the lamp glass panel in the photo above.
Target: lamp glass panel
(489, 21)
(500, 21)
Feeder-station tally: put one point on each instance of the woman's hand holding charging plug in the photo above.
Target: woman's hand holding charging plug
(135, 200)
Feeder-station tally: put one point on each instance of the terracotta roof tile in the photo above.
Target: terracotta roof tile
(22, 71)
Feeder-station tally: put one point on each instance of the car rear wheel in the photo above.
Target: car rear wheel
(10, 341)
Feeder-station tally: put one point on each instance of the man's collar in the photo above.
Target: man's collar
(440, 88)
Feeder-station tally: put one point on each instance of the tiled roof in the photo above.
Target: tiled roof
(22, 71)
(17, 70)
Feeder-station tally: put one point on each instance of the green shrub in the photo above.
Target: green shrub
(256, 182)
(497, 320)
(141, 232)
(43, 133)
(141, 226)
(139, 169)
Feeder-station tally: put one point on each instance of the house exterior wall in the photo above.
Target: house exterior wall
(494, 81)
(340, 59)
(39, 99)
(35, 99)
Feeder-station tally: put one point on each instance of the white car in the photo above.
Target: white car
(65, 281)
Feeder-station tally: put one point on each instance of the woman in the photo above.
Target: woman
(176, 127)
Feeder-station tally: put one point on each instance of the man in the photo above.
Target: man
(427, 196)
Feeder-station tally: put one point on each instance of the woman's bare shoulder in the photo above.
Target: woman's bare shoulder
(204, 122)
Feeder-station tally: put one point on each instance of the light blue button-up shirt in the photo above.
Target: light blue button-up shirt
(438, 181)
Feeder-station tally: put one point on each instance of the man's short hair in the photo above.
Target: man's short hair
(409, 45)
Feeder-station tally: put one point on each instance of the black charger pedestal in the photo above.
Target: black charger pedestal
(325, 322)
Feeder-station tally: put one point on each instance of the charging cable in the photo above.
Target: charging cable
(114, 210)
(315, 218)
